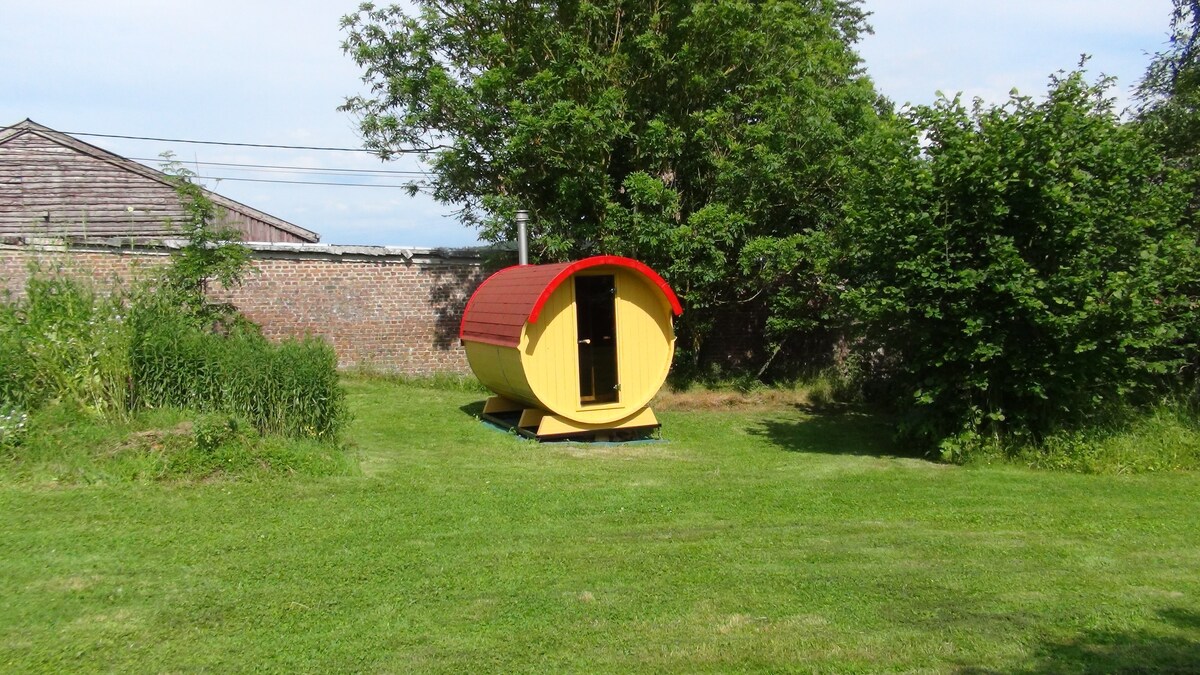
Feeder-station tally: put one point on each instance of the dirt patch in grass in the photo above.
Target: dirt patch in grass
(704, 399)
(734, 622)
(119, 619)
(155, 440)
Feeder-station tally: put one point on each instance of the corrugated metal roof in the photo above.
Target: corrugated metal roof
(505, 301)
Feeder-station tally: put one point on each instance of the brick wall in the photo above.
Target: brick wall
(384, 308)
(104, 267)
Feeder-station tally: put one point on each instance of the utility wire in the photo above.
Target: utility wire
(419, 186)
(332, 171)
(242, 145)
(274, 168)
(404, 151)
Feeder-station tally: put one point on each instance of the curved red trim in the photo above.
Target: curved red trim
(514, 296)
(596, 261)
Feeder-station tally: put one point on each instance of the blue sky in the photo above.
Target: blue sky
(272, 71)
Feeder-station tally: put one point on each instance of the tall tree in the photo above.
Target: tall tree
(708, 138)
(1169, 114)
(1169, 93)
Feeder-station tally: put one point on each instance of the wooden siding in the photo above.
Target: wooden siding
(52, 185)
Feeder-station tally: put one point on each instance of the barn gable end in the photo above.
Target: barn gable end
(54, 185)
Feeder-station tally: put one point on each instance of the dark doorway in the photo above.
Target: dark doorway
(596, 323)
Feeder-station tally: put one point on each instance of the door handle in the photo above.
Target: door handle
(585, 341)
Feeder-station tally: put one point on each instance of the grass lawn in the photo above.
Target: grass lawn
(768, 541)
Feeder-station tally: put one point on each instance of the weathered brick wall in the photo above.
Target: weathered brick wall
(395, 310)
(381, 313)
(101, 267)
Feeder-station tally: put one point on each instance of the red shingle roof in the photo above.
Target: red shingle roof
(505, 301)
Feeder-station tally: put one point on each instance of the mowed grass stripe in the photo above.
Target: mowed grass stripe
(750, 541)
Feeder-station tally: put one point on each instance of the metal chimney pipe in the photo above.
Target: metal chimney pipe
(522, 237)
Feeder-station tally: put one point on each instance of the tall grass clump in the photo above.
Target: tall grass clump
(15, 369)
(1163, 438)
(150, 347)
(290, 388)
(190, 353)
(64, 341)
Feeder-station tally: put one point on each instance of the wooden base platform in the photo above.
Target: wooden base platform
(544, 426)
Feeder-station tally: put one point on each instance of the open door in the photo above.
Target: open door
(596, 320)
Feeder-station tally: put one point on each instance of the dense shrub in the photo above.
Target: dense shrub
(289, 388)
(1021, 265)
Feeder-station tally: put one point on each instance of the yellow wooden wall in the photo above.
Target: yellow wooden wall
(645, 344)
(543, 371)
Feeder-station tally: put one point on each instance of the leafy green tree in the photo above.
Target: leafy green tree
(213, 251)
(710, 139)
(1169, 114)
(1169, 94)
(1022, 266)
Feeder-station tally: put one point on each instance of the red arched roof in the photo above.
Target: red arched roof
(505, 301)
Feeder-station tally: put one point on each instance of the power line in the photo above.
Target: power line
(241, 145)
(276, 168)
(402, 151)
(420, 187)
(333, 171)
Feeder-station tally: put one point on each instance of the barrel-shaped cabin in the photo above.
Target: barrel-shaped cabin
(572, 348)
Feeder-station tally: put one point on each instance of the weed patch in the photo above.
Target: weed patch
(14, 427)
(290, 388)
(1165, 439)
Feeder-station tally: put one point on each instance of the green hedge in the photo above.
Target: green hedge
(1024, 268)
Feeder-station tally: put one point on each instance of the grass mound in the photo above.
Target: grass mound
(61, 444)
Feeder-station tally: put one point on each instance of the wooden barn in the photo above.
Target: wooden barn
(574, 348)
(53, 185)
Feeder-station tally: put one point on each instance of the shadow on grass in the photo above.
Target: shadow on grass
(1173, 649)
(473, 409)
(832, 431)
